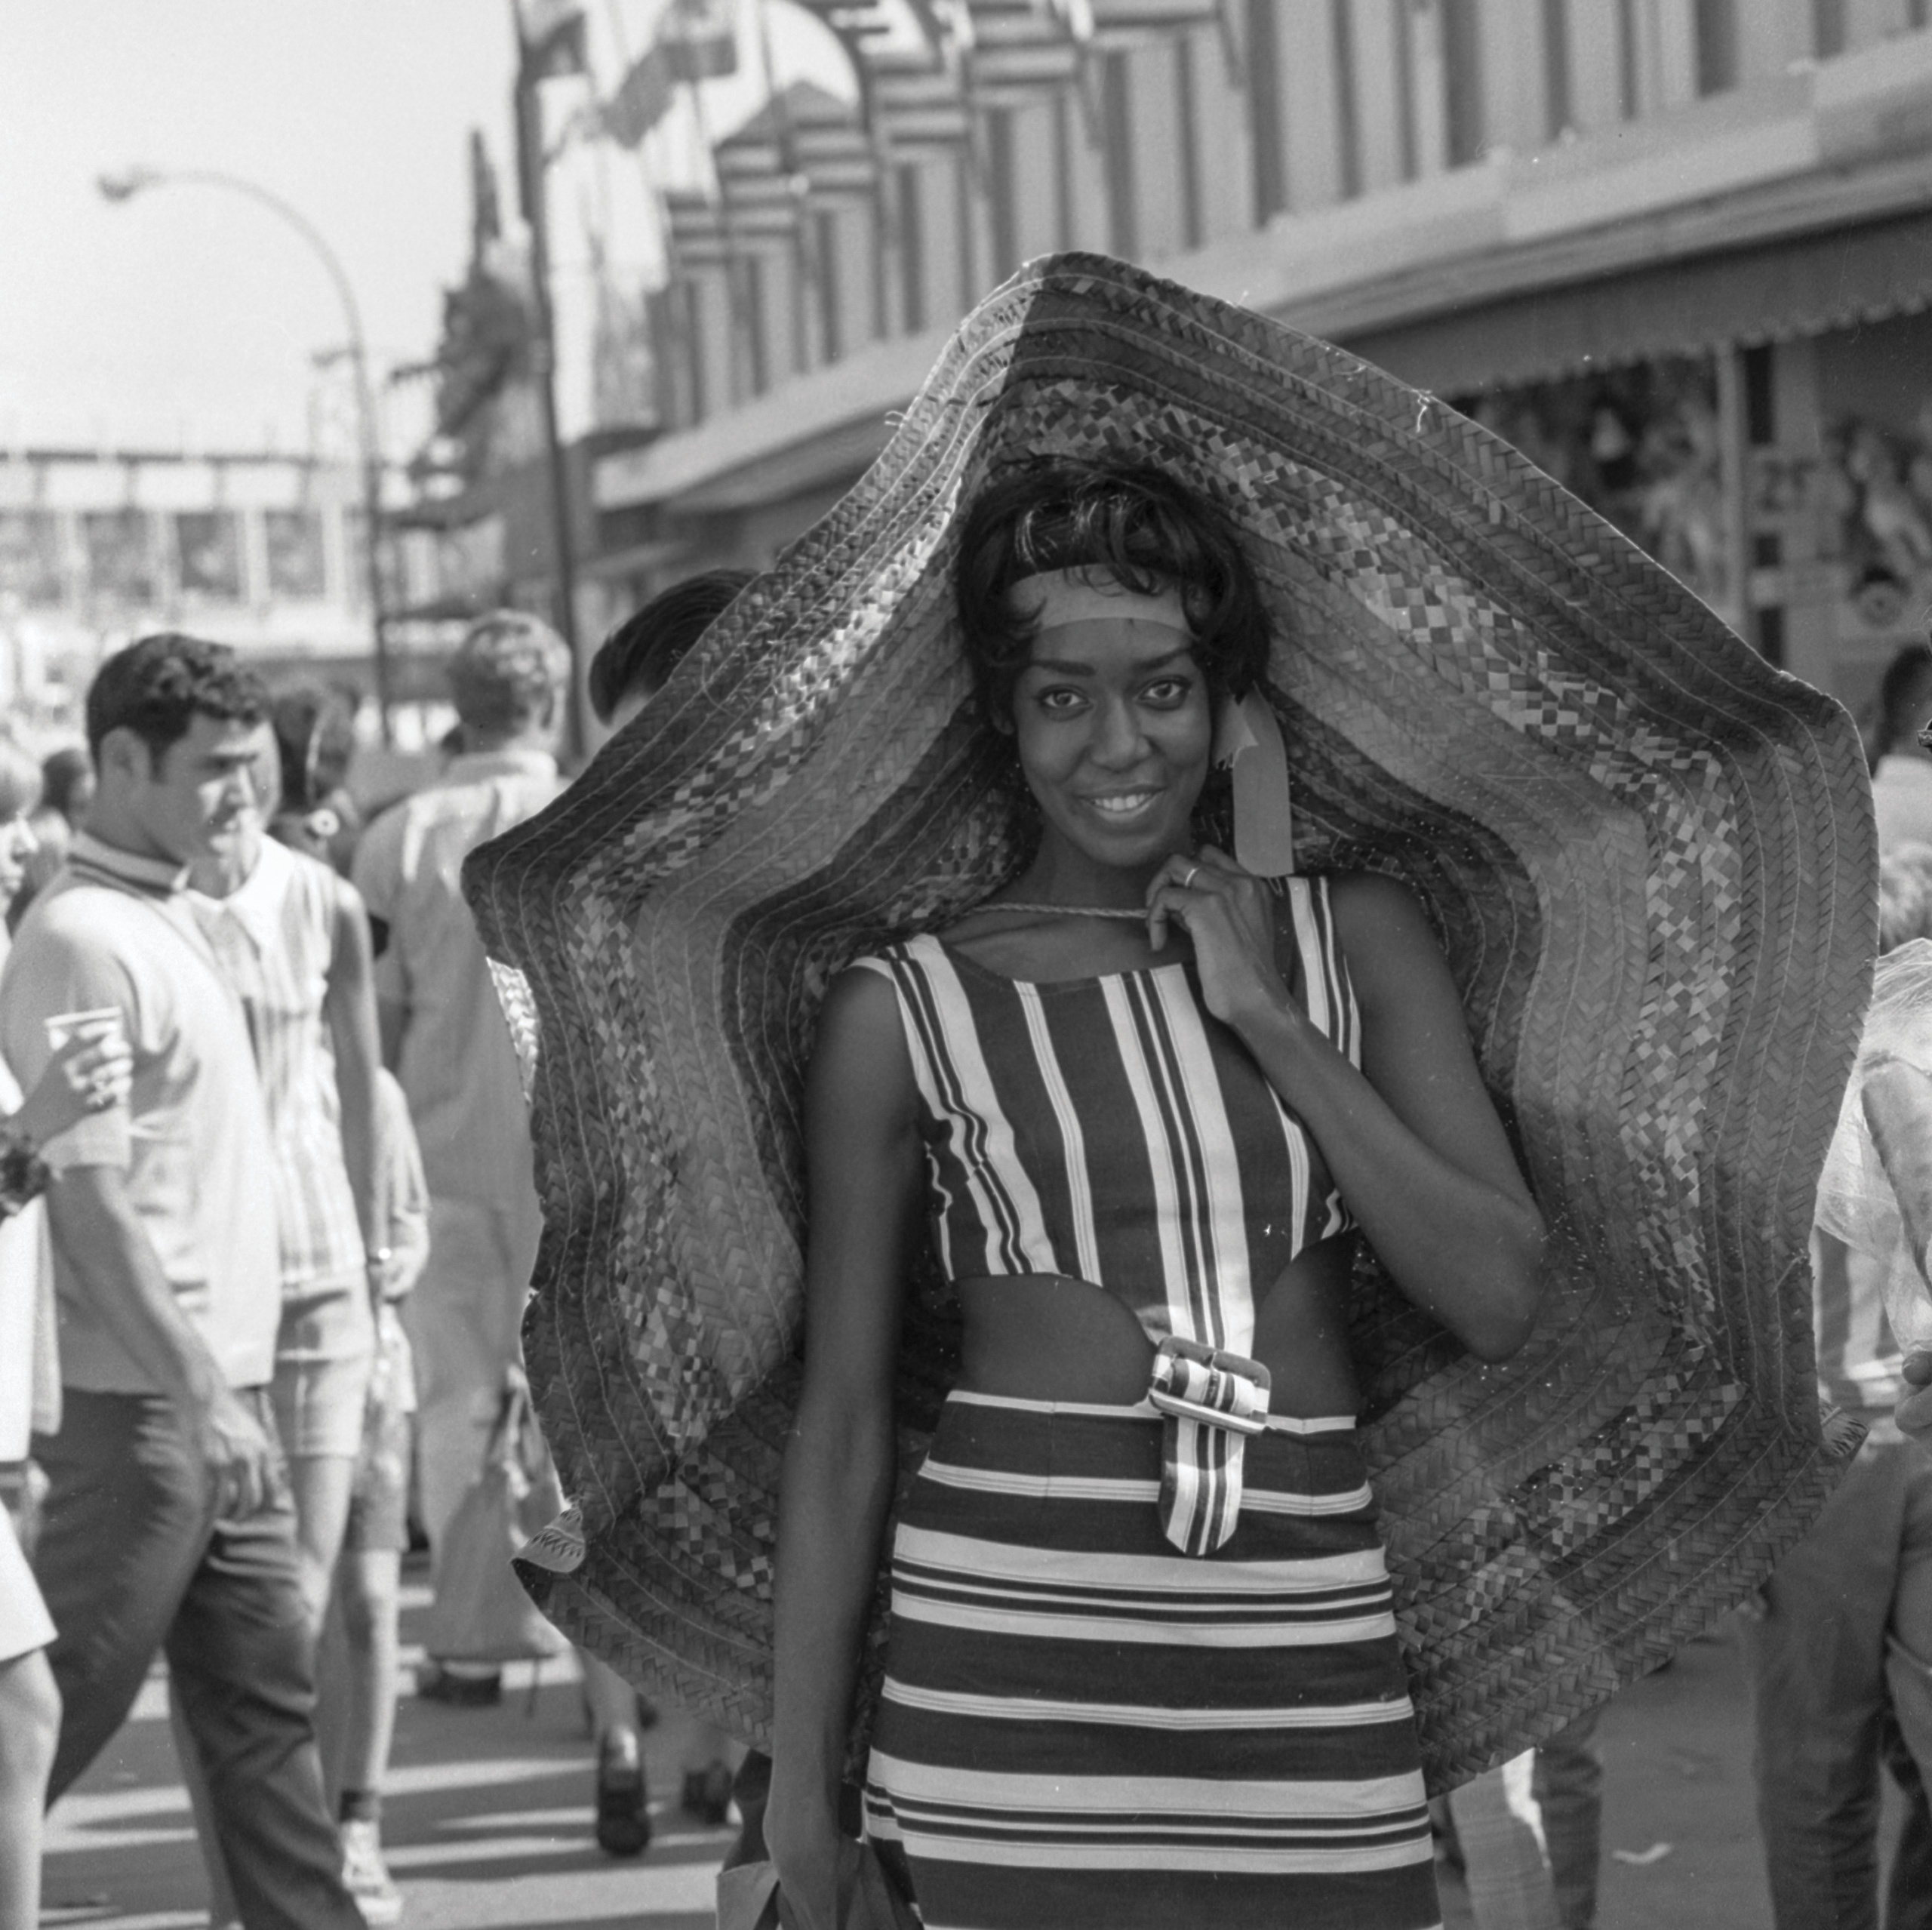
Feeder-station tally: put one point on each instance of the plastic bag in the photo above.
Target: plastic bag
(481, 1613)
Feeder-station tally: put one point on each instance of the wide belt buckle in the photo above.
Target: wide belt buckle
(1197, 1382)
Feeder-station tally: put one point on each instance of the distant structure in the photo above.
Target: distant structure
(1677, 249)
(259, 550)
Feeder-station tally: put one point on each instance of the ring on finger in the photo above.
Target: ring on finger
(1188, 879)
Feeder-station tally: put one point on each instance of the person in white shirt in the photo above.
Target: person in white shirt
(89, 1073)
(444, 1033)
(1840, 1658)
(169, 1522)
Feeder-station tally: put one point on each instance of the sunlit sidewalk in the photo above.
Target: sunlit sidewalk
(486, 1821)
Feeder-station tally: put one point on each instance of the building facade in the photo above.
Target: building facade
(1680, 250)
(263, 552)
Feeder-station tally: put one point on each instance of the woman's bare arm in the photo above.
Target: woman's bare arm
(866, 1184)
(349, 1007)
(1412, 1139)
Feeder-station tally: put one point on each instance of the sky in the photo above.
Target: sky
(188, 317)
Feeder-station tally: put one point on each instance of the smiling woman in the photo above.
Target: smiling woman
(1086, 1085)
(1044, 1161)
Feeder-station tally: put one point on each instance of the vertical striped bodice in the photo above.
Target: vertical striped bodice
(1108, 1129)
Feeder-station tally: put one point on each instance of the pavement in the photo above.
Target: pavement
(488, 1821)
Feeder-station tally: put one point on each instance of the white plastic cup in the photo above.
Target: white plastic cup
(105, 1023)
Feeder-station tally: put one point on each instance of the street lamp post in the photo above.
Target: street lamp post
(131, 181)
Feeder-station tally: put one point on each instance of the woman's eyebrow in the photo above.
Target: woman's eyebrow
(1069, 666)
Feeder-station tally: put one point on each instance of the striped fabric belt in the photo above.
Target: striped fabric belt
(1210, 1401)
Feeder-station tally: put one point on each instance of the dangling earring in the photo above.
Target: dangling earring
(1247, 742)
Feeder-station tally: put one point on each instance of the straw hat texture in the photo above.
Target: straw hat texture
(1649, 857)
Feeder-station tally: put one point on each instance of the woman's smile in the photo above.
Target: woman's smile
(1120, 806)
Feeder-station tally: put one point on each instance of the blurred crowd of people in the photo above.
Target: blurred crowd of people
(269, 1223)
(265, 1147)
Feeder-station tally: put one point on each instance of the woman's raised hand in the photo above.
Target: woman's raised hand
(1230, 914)
(88, 1073)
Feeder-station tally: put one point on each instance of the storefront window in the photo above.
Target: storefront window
(208, 554)
(30, 556)
(1641, 446)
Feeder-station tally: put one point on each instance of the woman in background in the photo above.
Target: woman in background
(90, 1074)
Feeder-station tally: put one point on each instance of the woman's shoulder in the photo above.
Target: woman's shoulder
(1385, 933)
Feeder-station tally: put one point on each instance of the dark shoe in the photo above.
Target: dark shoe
(707, 1794)
(624, 1812)
(437, 1684)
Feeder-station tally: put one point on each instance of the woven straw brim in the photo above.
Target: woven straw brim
(1649, 854)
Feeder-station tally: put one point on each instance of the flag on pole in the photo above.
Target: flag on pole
(552, 32)
(643, 98)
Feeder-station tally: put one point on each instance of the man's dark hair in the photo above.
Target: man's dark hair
(1136, 523)
(61, 772)
(315, 738)
(637, 658)
(156, 687)
(507, 676)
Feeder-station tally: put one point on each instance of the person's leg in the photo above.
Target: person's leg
(1505, 1861)
(371, 1591)
(706, 1792)
(623, 1817)
(30, 1731)
(1816, 1662)
(1909, 1679)
(325, 1353)
(223, 1909)
(242, 1658)
(127, 1517)
(319, 1486)
(362, 1677)
(1908, 1889)
(1569, 1791)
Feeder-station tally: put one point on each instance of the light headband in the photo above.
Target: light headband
(1055, 598)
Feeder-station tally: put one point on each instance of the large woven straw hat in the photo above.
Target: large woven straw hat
(1650, 857)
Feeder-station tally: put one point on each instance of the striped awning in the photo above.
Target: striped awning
(835, 156)
(918, 107)
(1782, 290)
(1019, 54)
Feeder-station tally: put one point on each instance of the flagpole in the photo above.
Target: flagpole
(742, 359)
(529, 117)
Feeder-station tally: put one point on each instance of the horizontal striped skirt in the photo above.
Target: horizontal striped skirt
(1081, 1726)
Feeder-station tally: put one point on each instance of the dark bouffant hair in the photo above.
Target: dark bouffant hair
(637, 658)
(157, 686)
(1904, 680)
(1132, 520)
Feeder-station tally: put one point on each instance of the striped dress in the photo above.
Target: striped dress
(1142, 1670)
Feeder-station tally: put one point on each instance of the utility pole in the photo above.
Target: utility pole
(531, 193)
